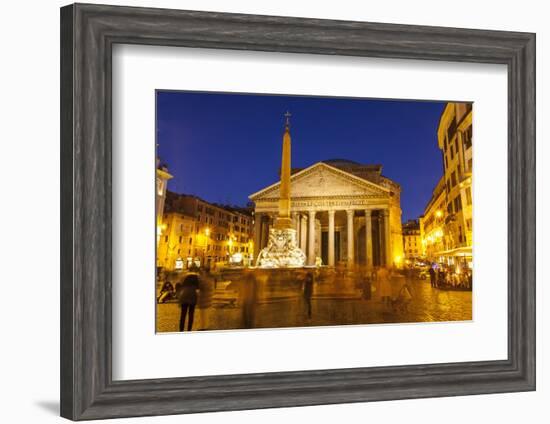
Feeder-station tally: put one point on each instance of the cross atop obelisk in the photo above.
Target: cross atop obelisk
(287, 120)
(283, 219)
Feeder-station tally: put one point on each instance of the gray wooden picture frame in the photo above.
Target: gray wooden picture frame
(88, 33)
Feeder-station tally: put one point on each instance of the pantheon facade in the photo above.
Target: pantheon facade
(343, 212)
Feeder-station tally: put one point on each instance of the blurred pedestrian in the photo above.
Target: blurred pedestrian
(186, 294)
(205, 299)
(249, 295)
(441, 277)
(383, 276)
(403, 298)
(367, 285)
(431, 271)
(308, 292)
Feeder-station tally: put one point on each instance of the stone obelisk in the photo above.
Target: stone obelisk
(281, 250)
(283, 219)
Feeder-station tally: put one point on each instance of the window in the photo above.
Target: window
(166, 239)
(450, 208)
(458, 203)
(452, 151)
(451, 131)
(468, 195)
(453, 179)
(467, 137)
(190, 240)
(180, 240)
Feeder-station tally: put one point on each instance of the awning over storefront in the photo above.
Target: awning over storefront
(459, 251)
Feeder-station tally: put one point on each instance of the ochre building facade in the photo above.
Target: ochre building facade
(447, 223)
(199, 232)
(412, 241)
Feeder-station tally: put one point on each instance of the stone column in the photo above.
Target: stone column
(265, 233)
(331, 238)
(311, 239)
(303, 233)
(257, 234)
(387, 236)
(298, 226)
(351, 253)
(381, 244)
(368, 237)
(294, 216)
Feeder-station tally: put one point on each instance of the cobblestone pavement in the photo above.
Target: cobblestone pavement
(427, 305)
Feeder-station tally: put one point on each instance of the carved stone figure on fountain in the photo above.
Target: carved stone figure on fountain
(281, 250)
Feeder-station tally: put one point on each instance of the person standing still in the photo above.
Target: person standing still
(186, 293)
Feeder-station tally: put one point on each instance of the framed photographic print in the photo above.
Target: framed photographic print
(301, 211)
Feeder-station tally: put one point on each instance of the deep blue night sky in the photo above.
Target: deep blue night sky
(224, 147)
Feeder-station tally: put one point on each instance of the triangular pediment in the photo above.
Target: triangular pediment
(322, 180)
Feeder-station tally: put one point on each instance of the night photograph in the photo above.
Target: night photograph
(277, 211)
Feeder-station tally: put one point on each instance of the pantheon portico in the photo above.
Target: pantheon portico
(343, 212)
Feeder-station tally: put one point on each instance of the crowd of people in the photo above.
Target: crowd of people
(444, 277)
(390, 286)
